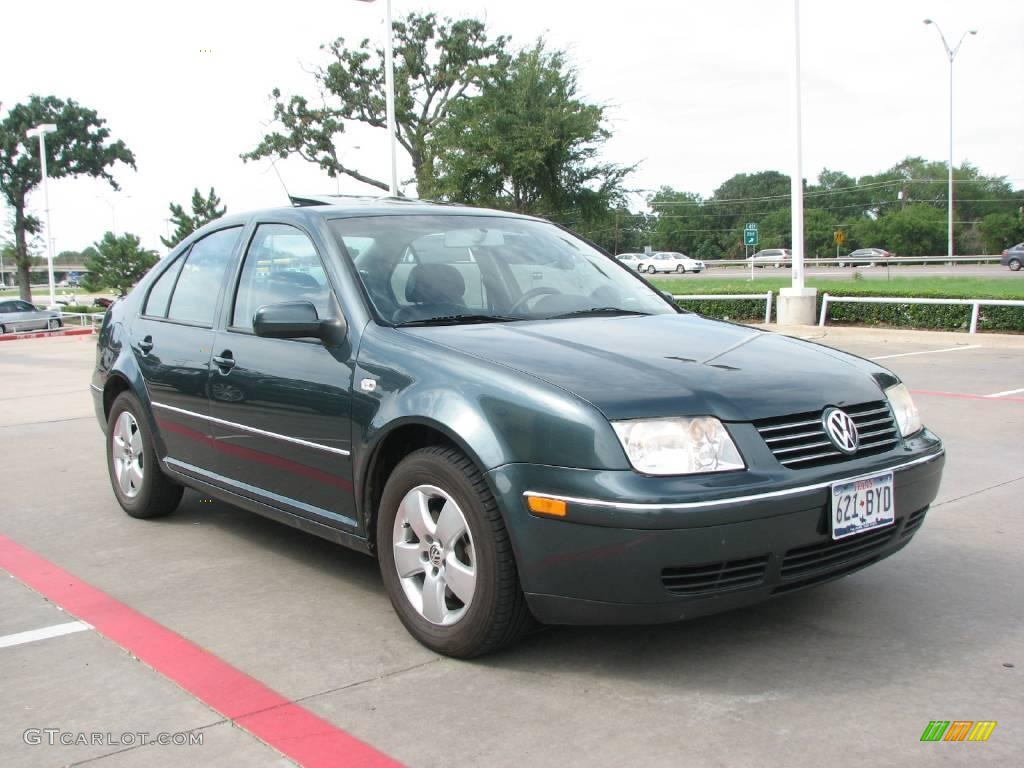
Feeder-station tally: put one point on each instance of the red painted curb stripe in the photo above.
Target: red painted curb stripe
(965, 396)
(292, 730)
(46, 334)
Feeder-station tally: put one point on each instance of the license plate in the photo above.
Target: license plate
(862, 505)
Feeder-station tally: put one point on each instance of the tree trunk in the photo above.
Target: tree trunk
(21, 257)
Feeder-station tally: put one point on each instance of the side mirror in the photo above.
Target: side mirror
(295, 320)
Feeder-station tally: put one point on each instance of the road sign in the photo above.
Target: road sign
(750, 234)
(839, 237)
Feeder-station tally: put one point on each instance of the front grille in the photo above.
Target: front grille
(800, 441)
(817, 562)
(715, 577)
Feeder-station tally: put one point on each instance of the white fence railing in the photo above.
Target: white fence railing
(85, 319)
(975, 304)
(766, 297)
(847, 261)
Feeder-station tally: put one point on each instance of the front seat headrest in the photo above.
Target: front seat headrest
(435, 284)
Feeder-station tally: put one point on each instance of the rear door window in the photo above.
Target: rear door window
(194, 298)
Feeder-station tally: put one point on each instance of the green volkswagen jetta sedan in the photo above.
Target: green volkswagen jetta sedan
(516, 425)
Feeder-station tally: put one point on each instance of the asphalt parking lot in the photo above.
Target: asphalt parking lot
(295, 640)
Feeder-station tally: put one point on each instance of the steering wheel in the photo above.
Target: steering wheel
(533, 293)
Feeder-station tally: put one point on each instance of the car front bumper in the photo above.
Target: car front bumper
(621, 559)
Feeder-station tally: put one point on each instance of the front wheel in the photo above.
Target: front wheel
(53, 325)
(1015, 265)
(445, 556)
(680, 269)
(141, 487)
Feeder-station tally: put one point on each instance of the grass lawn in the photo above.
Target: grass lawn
(936, 287)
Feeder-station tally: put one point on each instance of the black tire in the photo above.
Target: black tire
(1014, 265)
(53, 325)
(651, 269)
(157, 495)
(498, 615)
(3, 330)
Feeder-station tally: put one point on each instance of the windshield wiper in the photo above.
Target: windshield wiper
(458, 320)
(598, 311)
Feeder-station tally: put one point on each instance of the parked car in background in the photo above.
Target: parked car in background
(1013, 257)
(772, 257)
(631, 260)
(669, 261)
(865, 257)
(18, 315)
(536, 433)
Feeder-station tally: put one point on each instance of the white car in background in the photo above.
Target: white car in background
(669, 261)
(631, 260)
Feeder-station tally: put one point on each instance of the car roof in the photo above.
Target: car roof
(306, 207)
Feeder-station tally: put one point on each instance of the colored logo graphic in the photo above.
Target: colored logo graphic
(958, 730)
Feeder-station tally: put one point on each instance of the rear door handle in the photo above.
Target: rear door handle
(146, 345)
(225, 361)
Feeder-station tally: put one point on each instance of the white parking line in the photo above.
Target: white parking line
(45, 633)
(1007, 392)
(927, 352)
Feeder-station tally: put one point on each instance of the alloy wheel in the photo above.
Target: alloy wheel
(127, 455)
(434, 555)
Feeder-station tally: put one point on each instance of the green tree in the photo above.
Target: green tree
(528, 143)
(204, 210)
(437, 65)
(1001, 230)
(81, 146)
(119, 262)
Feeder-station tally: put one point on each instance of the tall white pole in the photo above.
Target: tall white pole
(951, 55)
(389, 87)
(49, 229)
(950, 233)
(796, 187)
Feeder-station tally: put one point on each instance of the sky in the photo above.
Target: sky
(695, 91)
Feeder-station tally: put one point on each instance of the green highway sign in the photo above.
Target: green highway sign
(750, 234)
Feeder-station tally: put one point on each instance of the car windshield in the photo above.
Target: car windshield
(448, 269)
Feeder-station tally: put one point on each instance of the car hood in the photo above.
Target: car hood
(672, 365)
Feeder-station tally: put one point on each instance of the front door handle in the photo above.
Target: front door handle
(146, 345)
(225, 361)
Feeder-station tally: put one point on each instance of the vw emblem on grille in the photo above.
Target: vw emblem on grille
(841, 430)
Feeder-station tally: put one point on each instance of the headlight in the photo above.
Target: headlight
(678, 446)
(903, 408)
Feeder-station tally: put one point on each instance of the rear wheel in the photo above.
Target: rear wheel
(141, 487)
(1015, 265)
(651, 269)
(445, 556)
(680, 268)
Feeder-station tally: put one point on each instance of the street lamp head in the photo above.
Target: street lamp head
(43, 129)
(928, 21)
(973, 31)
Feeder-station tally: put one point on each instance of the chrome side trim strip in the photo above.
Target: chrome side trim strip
(734, 499)
(94, 388)
(253, 430)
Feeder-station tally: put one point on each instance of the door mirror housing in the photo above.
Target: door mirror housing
(296, 320)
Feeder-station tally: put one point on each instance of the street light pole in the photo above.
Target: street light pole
(797, 302)
(41, 132)
(951, 54)
(796, 182)
(389, 96)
